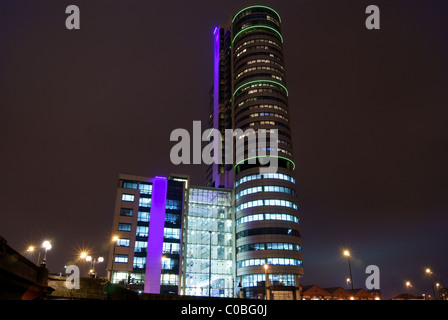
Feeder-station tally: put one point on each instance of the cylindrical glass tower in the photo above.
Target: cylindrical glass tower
(268, 238)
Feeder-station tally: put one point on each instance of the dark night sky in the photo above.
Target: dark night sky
(368, 113)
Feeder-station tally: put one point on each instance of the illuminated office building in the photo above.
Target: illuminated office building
(250, 87)
(240, 235)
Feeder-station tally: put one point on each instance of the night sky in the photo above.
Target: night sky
(368, 112)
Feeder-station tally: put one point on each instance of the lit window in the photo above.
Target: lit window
(129, 185)
(141, 246)
(139, 262)
(121, 258)
(124, 227)
(142, 231)
(127, 197)
(123, 242)
(143, 216)
(145, 188)
(171, 233)
(144, 202)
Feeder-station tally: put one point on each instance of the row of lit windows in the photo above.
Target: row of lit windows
(266, 132)
(144, 216)
(268, 114)
(267, 216)
(256, 280)
(261, 91)
(268, 230)
(262, 106)
(145, 188)
(255, 20)
(259, 68)
(257, 75)
(248, 191)
(259, 150)
(269, 246)
(265, 123)
(139, 262)
(168, 247)
(167, 263)
(269, 261)
(252, 48)
(146, 202)
(260, 87)
(261, 98)
(266, 202)
(256, 41)
(280, 176)
(264, 61)
(142, 231)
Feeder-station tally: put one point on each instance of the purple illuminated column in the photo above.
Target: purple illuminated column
(216, 89)
(155, 235)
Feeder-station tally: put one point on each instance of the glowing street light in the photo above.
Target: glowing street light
(430, 273)
(114, 241)
(266, 281)
(93, 262)
(346, 254)
(47, 246)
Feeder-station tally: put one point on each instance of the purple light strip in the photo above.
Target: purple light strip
(155, 235)
(216, 86)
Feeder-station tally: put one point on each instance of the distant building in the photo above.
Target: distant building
(314, 292)
(407, 296)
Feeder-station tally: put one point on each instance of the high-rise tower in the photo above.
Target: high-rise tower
(250, 87)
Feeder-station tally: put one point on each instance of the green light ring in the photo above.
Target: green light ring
(257, 26)
(258, 6)
(256, 157)
(258, 81)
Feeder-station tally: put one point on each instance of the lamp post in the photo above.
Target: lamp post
(114, 241)
(428, 271)
(31, 250)
(408, 285)
(266, 282)
(438, 292)
(210, 265)
(93, 262)
(346, 254)
(47, 246)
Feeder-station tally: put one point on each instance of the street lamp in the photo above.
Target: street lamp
(408, 285)
(93, 262)
(346, 254)
(31, 250)
(438, 292)
(266, 282)
(47, 246)
(114, 241)
(429, 272)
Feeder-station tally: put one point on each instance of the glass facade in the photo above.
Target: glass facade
(209, 243)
